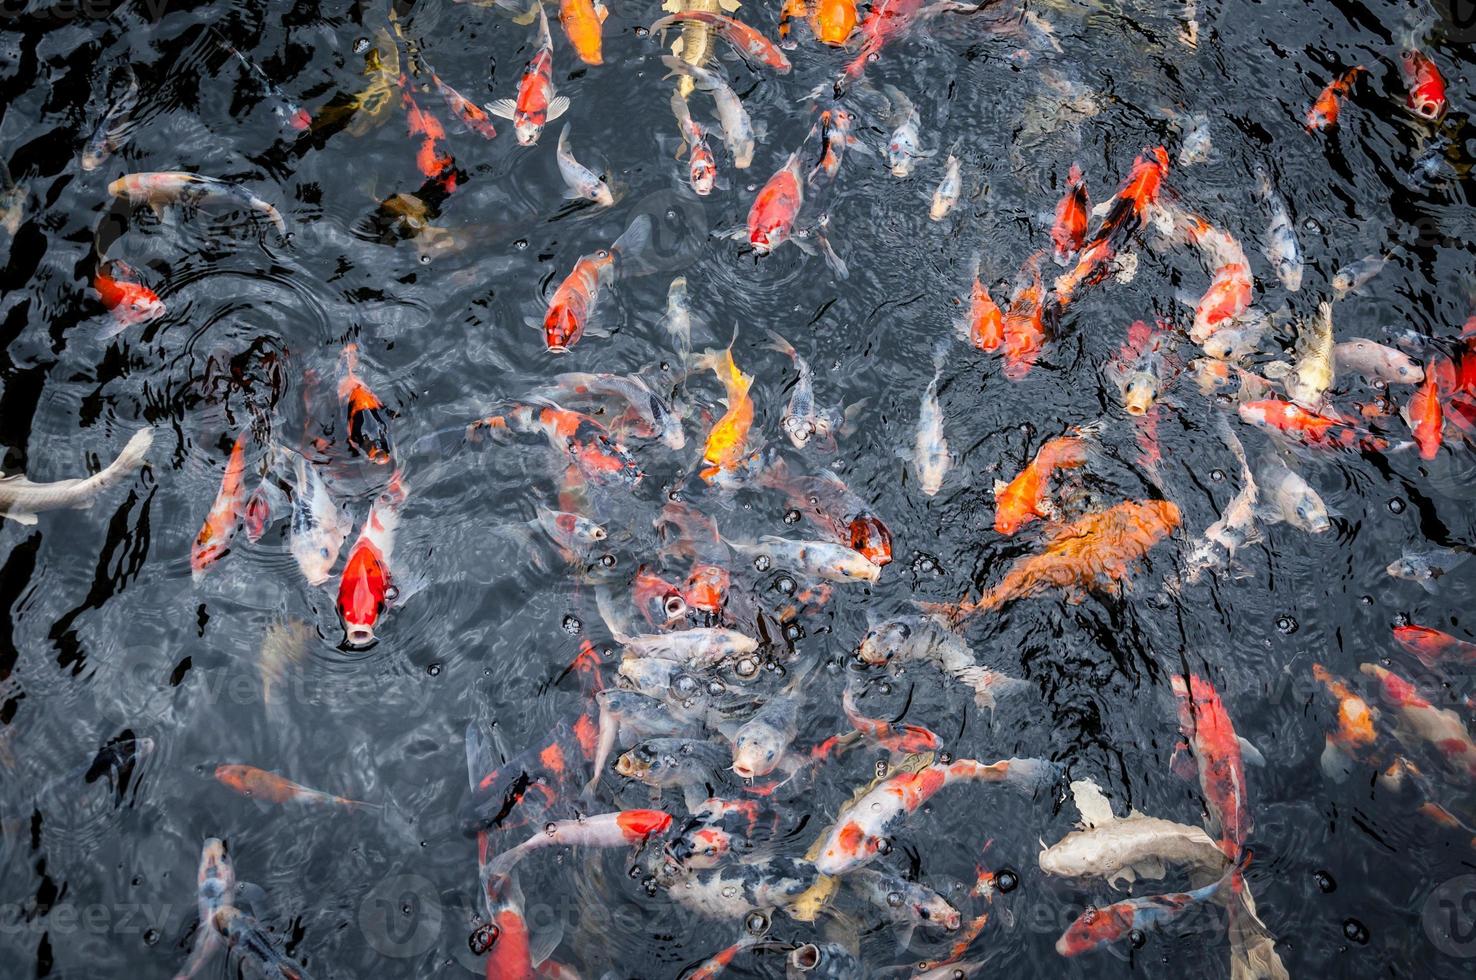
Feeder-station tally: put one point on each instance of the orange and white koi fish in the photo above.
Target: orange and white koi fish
(898, 740)
(214, 540)
(1229, 293)
(1125, 213)
(598, 456)
(1325, 110)
(1027, 497)
(1422, 77)
(1217, 753)
(772, 215)
(368, 432)
(1354, 734)
(1307, 427)
(983, 325)
(1434, 648)
(727, 442)
(126, 297)
(1091, 552)
(748, 42)
(537, 104)
(856, 838)
(884, 20)
(1024, 321)
(583, 21)
(366, 588)
(1098, 927)
(1441, 727)
(701, 166)
(1069, 231)
(572, 308)
(269, 787)
(510, 956)
(473, 116)
(625, 828)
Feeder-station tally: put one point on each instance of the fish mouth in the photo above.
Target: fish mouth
(557, 349)
(358, 635)
(805, 958)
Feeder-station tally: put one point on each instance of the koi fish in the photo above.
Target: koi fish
(22, 500)
(1124, 215)
(949, 188)
(272, 788)
(1441, 727)
(288, 113)
(1325, 110)
(884, 20)
(214, 540)
(903, 145)
(1122, 850)
(802, 421)
(1307, 427)
(727, 442)
(647, 414)
(701, 167)
(573, 532)
(817, 559)
(856, 838)
(126, 298)
(923, 639)
(749, 43)
(738, 131)
(245, 937)
(1422, 77)
(1027, 497)
(1140, 369)
(589, 446)
(473, 116)
(432, 159)
(1069, 231)
(698, 647)
(1098, 927)
(1433, 647)
(1217, 753)
(1376, 361)
(1286, 496)
(1088, 553)
(772, 215)
(1228, 297)
(1357, 274)
(833, 127)
(581, 181)
(833, 21)
(537, 104)
(165, 187)
(908, 904)
(1355, 732)
(930, 456)
(571, 309)
(583, 21)
(898, 740)
(658, 600)
(1282, 249)
(1311, 376)
(625, 828)
(319, 527)
(1427, 569)
(215, 890)
(368, 432)
(113, 129)
(365, 588)
(983, 325)
(1426, 418)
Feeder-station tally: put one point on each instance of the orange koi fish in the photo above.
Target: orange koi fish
(1125, 214)
(1023, 324)
(127, 299)
(432, 159)
(1425, 417)
(571, 309)
(983, 327)
(268, 786)
(1069, 230)
(1207, 727)
(727, 442)
(1308, 427)
(898, 740)
(368, 422)
(583, 21)
(214, 540)
(772, 215)
(1324, 111)
(1433, 647)
(364, 591)
(596, 453)
(473, 116)
(1422, 77)
(707, 588)
(658, 600)
(537, 105)
(1028, 496)
(831, 21)
(1441, 727)
(1088, 553)
(1355, 726)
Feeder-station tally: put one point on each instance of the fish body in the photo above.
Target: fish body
(214, 539)
(1426, 85)
(581, 181)
(158, 188)
(1207, 727)
(1098, 927)
(1282, 249)
(1355, 275)
(1328, 105)
(701, 166)
(215, 890)
(367, 421)
(948, 190)
(738, 131)
(1425, 416)
(924, 639)
(817, 559)
(727, 442)
(1091, 552)
(1125, 213)
(1069, 230)
(572, 307)
(583, 22)
(1306, 426)
(1023, 325)
(21, 500)
(761, 742)
(833, 127)
(1434, 648)
(1377, 361)
(772, 215)
(856, 838)
(1027, 497)
(1429, 568)
(364, 590)
(1312, 374)
(473, 116)
(624, 828)
(646, 413)
(745, 40)
(113, 129)
(130, 301)
(1354, 733)
(289, 114)
(983, 325)
(903, 146)
(885, 19)
(537, 103)
(248, 941)
(1286, 496)
(272, 788)
(930, 457)
(908, 903)
(319, 527)
(802, 420)
(1441, 727)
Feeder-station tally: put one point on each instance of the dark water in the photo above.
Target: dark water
(107, 638)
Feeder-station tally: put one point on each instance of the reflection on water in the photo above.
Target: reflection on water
(1108, 496)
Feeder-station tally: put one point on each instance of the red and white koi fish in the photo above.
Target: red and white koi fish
(537, 104)
(1441, 727)
(366, 588)
(214, 539)
(572, 308)
(1207, 727)
(368, 432)
(748, 42)
(1426, 85)
(126, 297)
(1434, 648)
(1069, 231)
(626, 828)
(1125, 213)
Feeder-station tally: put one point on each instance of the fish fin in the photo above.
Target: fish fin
(1250, 753)
(1428, 584)
(478, 755)
(502, 108)
(1335, 762)
(904, 933)
(694, 794)
(541, 947)
(1092, 803)
(1182, 763)
(1276, 370)
(558, 107)
(601, 11)
(836, 263)
(1150, 868)
(22, 517)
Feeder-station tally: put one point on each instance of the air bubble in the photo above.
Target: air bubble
(785, 584)
(791, 516)
(1217, 475)
(572, 625)
(1355, 931)
(361, 44)
(1286, 625)
(151, 937)
(1137, 937)
(1007, 881)
(762, 563)
(607, 560)
(1396, 505)
(894, 899)
(1325, 882)
(521, 244)
(433, 669)
(757, 923)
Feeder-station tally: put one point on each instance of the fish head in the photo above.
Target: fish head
(363, 594)
(1139, 391)
(1311, 515)
(703, 173)
(140, 304)
(1093, 928)
(315, 555)
(562, 328)
(823, 960)
(833, 21)
(707, 588)
(884, 641)
(757, 749)
(856, 567)
(700, 847)
(872, 538)
(527, 131)
(636, 763)
(369, 432)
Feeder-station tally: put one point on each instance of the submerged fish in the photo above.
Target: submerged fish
(168, 187)
(22, 500)
(930, 455)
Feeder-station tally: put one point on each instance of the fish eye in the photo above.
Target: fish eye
(323, 552)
